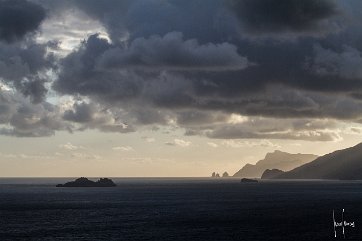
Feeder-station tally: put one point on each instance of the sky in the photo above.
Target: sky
(161, 88)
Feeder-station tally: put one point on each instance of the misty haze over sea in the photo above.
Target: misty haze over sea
(178, 209)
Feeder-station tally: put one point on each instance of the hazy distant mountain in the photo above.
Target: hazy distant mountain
(277, 160)
(342, 164)
(270, 174)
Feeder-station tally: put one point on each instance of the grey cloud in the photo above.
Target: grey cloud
(82, 113)
(32, 87)
(300, 65)
(24, 119)
(280, 102)
(236, 133)
(187, 62)
(93, 116)
(271, 88)
(23, 66)
(92, 70)
(20, 133)
(170, 144)
(223, 126)
(355, 130)
(200, 118)
(79, 74)
(106, 117)
(139, 18)
(266, 16)
(21, 60)
(19, 17)
(148, 116)
(190, 132)
(294, 129)
(277, 61)
(178, 142)
(172, 52)
(344, 64)
(111, 13)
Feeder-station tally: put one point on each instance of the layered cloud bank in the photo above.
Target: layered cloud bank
(228, 69)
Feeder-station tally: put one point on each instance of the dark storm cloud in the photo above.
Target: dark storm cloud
(263, 16)
(139, 18)
(116, 87)
(23, 61)
(116, 71)
(275, 61)
(23, 65)
(344, 63)
(80, 76)
(172, 52)
(274, 89)
(111, 13)
(193, 65)
(124, 71)
(19, 17)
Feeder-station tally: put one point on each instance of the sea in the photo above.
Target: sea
(187, 209)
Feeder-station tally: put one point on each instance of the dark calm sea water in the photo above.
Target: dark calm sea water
(179, 209)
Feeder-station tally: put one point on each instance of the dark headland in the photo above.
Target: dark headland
(345, 164)
(85, 182)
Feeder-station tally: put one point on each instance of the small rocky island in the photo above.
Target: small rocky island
(85, 182)
(248, 180)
